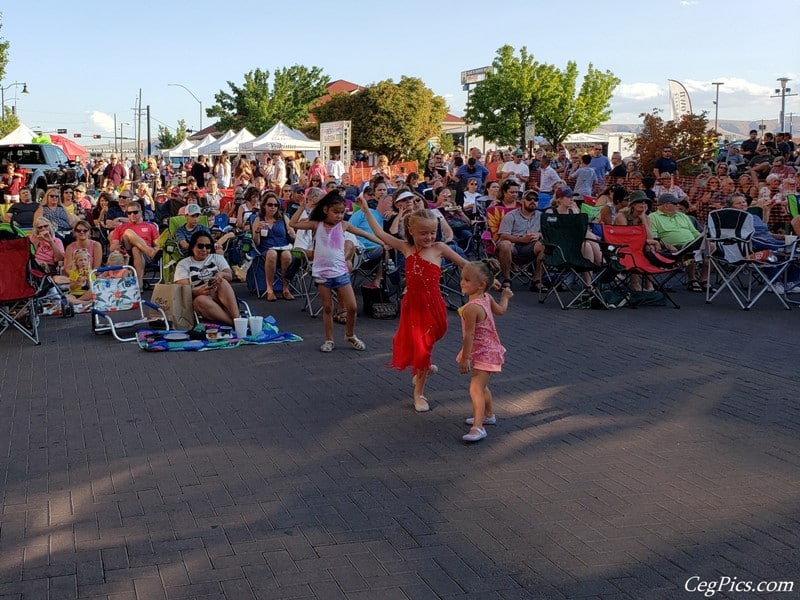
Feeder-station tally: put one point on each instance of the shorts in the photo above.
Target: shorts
(333, 283)
(523, 250)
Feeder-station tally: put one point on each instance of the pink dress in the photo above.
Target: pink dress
(487, 351)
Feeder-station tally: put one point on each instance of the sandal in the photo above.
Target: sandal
(356, 343)
(287, 295)
(694, 286)
(421, 404)
(539, 287)
(476, 434)
(327, 346)
(341, 317)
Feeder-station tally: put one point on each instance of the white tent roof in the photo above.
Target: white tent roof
(178, 150)
(231, 144)
(281, 137)
(21, 135)
(202, 148)
(192, 150)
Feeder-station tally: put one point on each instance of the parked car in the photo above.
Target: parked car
(44, 165)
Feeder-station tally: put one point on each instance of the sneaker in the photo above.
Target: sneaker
(476, 434)
(777, 288)
(486, 420)
(793, 287)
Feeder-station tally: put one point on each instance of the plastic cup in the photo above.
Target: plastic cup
(240, 325)
(256, 325)
(789, 239)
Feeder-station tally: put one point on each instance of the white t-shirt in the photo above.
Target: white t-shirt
(199, 272)
(513, 169)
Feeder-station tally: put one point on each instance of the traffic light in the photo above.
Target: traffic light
(96, 136)
(76, 135)
(61, 131)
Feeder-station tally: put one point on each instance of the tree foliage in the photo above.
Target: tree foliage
(257, 106)
(520, 90)
(689, 137)
(166, 139)
(9, 124)
(396, 119)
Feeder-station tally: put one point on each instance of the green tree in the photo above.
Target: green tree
(691, 140)
(257, 106)
(520, 90)
(396, 119)
(167, 140)
(9, 124)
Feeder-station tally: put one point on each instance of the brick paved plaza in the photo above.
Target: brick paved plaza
(634, 449)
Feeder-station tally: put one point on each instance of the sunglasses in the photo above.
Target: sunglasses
(81, 231)
(204, 246)
(43, 227)
(272, 205)
(52, 196)
(132, 212)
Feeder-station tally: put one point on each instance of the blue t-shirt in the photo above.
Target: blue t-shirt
(184, 235)
(601, 166)
(360, 220)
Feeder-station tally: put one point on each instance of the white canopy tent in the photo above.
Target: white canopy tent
(202, 148)
(232, 144)
(21, 135)
(179, 149)
(281, 137)
(192, 150)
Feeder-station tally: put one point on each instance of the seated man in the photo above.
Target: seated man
(761, 164)
(137, 237)
(519, 237)
(675, 229)
(184, 232)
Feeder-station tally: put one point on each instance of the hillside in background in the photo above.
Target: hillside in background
(730, 130)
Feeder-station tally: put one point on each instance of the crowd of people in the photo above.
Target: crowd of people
(463, 208)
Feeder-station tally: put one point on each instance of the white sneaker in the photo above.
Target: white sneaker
(777, 287)
(793, 287)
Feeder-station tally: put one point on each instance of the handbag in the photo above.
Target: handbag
(377, 304)
(176, 301)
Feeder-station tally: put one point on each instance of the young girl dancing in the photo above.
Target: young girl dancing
(329, 268)
(481, 350)
(423, 314)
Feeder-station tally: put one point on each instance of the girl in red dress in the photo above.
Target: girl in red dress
(423, 314)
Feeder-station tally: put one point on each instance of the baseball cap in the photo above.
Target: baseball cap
(668, 199)
(564, 192)
(193, 209)
(518, 152)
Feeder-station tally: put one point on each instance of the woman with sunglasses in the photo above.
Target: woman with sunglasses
(52, 210)
(273, 237)
(210, 276)
(84, 243)
(49, 249)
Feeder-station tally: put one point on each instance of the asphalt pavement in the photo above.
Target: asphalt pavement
(638, 452)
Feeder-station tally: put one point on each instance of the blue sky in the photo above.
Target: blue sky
(84, 62)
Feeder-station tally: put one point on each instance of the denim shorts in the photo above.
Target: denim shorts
(334, 283)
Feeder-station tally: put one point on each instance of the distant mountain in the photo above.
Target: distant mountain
(730, 130)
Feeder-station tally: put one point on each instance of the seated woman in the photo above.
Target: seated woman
(636, 214)
(248, 208)
(49, 248)
(609, 211)
(460, 236)
(273, 237)
(83, 243)
(209, 275)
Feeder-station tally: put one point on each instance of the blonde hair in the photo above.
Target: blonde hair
(115, 259)
(418, 215)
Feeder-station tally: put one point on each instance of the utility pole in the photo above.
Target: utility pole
(115, 134)
(149, 145)
(716, 105)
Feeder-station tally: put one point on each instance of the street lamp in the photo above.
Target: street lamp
(716, 105)
(122, 138)
(193, 96)
(782, 93)
(25, 92)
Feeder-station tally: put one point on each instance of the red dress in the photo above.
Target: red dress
(423, 316)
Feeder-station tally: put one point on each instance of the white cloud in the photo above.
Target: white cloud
(103, 121)
(731, 85)
(688, 2)
(638, 91)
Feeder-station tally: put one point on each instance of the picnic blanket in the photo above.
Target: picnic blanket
(195, 339)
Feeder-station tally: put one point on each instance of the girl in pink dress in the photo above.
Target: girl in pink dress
(481, 350)
(423, 315)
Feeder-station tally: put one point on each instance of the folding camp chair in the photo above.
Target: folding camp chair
(564, 265)
(169, 243)
(115, 290)
(630, 243)
(18, 290)
(733, 260)
(303, 284)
